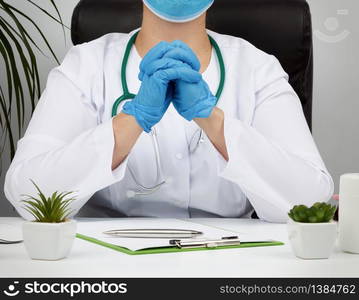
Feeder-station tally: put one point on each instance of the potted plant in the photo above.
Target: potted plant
(312, 231)
(50, 236)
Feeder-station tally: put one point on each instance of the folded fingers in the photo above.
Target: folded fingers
(174, 51)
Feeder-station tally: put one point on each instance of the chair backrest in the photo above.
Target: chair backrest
(279, 27)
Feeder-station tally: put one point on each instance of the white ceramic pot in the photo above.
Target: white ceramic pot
(312, 240)
(48, 241)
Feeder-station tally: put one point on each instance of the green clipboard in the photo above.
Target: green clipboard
(173, 249)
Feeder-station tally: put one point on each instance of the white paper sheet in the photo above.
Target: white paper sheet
(96, 228)
(10, 232)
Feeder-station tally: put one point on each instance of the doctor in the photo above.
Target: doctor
(183, 146)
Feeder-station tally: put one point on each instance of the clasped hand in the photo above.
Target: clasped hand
(169, 72)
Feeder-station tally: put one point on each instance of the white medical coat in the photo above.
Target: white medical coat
(273, 160)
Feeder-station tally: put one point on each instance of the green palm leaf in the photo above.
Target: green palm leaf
(53, 209)
(17, 49)
(57, 19)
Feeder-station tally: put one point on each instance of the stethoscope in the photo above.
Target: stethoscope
(127, 96)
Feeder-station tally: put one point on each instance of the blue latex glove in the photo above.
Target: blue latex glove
(165, 55)
(153, 98)
(191, 100)
(174, 51)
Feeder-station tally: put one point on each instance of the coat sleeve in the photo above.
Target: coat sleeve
(66, 147)
(274, 159)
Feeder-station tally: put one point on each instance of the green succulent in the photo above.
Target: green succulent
(319, 212)
(53, 209)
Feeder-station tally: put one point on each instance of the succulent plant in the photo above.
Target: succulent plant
(319, 212)
(53, 209)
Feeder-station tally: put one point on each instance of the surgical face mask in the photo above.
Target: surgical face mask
(179, 11)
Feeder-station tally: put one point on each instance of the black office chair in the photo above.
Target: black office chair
(279, 27)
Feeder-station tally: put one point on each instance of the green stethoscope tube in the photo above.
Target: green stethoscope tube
(127, 95)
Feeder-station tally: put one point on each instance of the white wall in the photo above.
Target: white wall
(336, 88)
(336, 65)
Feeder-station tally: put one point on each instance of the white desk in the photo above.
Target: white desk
(91, 260)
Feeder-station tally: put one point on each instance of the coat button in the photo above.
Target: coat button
(179, 155)
(169, 180)
(130, 194)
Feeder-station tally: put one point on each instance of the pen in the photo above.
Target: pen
(153, 233)
(224, 241)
